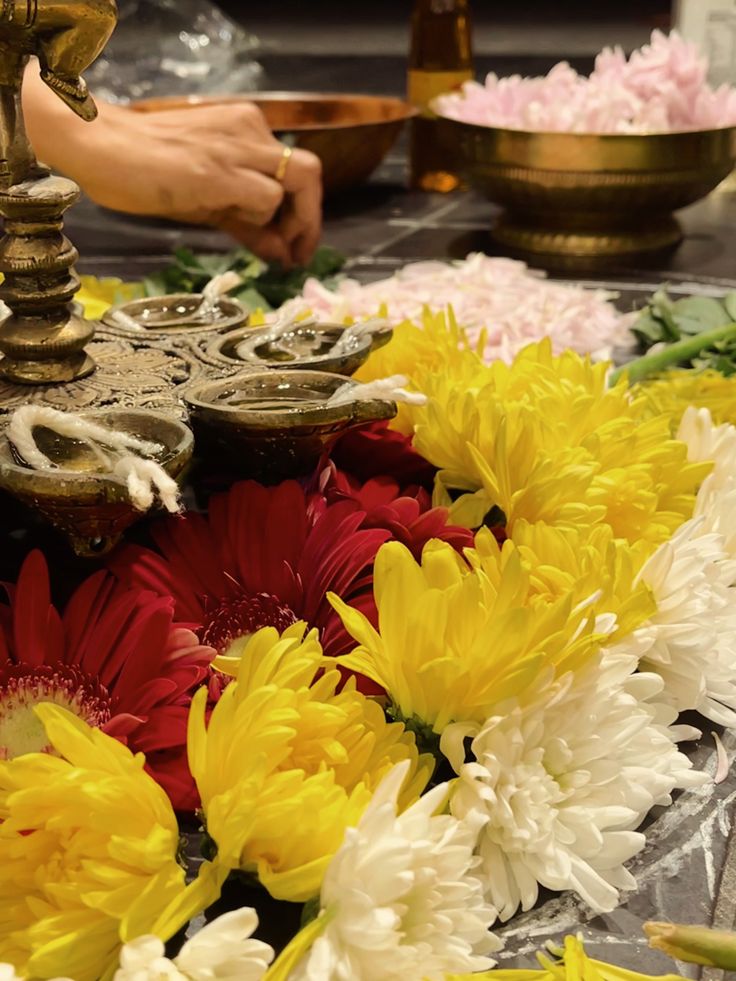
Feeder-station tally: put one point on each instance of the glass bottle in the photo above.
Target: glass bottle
(440, 60)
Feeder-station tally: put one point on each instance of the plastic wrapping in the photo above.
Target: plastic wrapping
(174, 47)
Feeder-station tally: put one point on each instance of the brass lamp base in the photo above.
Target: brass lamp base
(46, 372)
(43, 339)
(46, 349)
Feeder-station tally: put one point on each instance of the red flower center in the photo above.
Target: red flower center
(238, 618)
(22, 687)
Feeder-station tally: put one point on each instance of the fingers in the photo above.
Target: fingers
(227, 161)
(301, 237)
(252, 151)
(300, 222)
(250, 197)
(265, 242)
(235, 121)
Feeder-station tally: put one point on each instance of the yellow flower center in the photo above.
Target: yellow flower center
(22, 688)
(234, 621)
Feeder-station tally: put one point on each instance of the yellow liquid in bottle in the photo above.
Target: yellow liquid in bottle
(440, 61)
(431, 163)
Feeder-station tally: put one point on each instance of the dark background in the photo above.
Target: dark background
(486, 10)
(313, 44)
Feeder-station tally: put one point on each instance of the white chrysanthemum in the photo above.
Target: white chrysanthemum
(404, 901)
(716, 501)
(691, 640)
(562, 782)
(7, 973)
(706, 441)
(222, 950)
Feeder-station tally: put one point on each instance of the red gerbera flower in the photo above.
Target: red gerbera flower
(116, 658)
(268, 556)
(264, 556)
(374, 450)
(407, 513)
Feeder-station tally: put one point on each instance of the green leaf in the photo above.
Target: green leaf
(648, 330)
(250, 266)
(729, 302)
(689, 326)
(682, 352)
(326, 262)
(155, 284)
(251, 298)
(702, 309)
(216, 265)
(662, 308)
(263, 286)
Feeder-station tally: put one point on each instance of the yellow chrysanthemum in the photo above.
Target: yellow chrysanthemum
(589, 565)
(569, 964)
(287, 762)
(670, 394)
(453, 642)
(545, 439)
(419, 352)
(88, 845)
(98, 295)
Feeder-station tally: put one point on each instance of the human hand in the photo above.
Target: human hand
(210, 164)
(215, 165)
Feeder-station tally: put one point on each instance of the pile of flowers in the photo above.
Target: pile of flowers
(401, 696)
(501, 303)
(661, 88)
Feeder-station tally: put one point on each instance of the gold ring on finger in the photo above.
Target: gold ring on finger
(283, 164)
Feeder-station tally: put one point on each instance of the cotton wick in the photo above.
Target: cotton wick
(382, 389)
(120, 453)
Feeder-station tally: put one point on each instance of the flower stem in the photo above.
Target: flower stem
(697, 945)
(683, 350)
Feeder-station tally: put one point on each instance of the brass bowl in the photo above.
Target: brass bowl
(272, 425)
(91, 507)
(176, 313)
(599, 197)
(253, 347)
(351, 134)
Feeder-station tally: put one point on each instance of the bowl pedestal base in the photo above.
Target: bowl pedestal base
(531, 237)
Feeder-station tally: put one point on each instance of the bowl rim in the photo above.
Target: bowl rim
(407, 110)
(89, 485)
(237, 317)
(194, 396)
(244, 332)
(608, 137)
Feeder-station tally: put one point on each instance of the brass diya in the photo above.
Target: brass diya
(351, 134)
(303, 346)
(597, 197)
(89, 505)
(272, 425)
(175, 313)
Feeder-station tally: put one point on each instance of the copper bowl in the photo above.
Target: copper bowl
(596, 197)
(351, 134)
